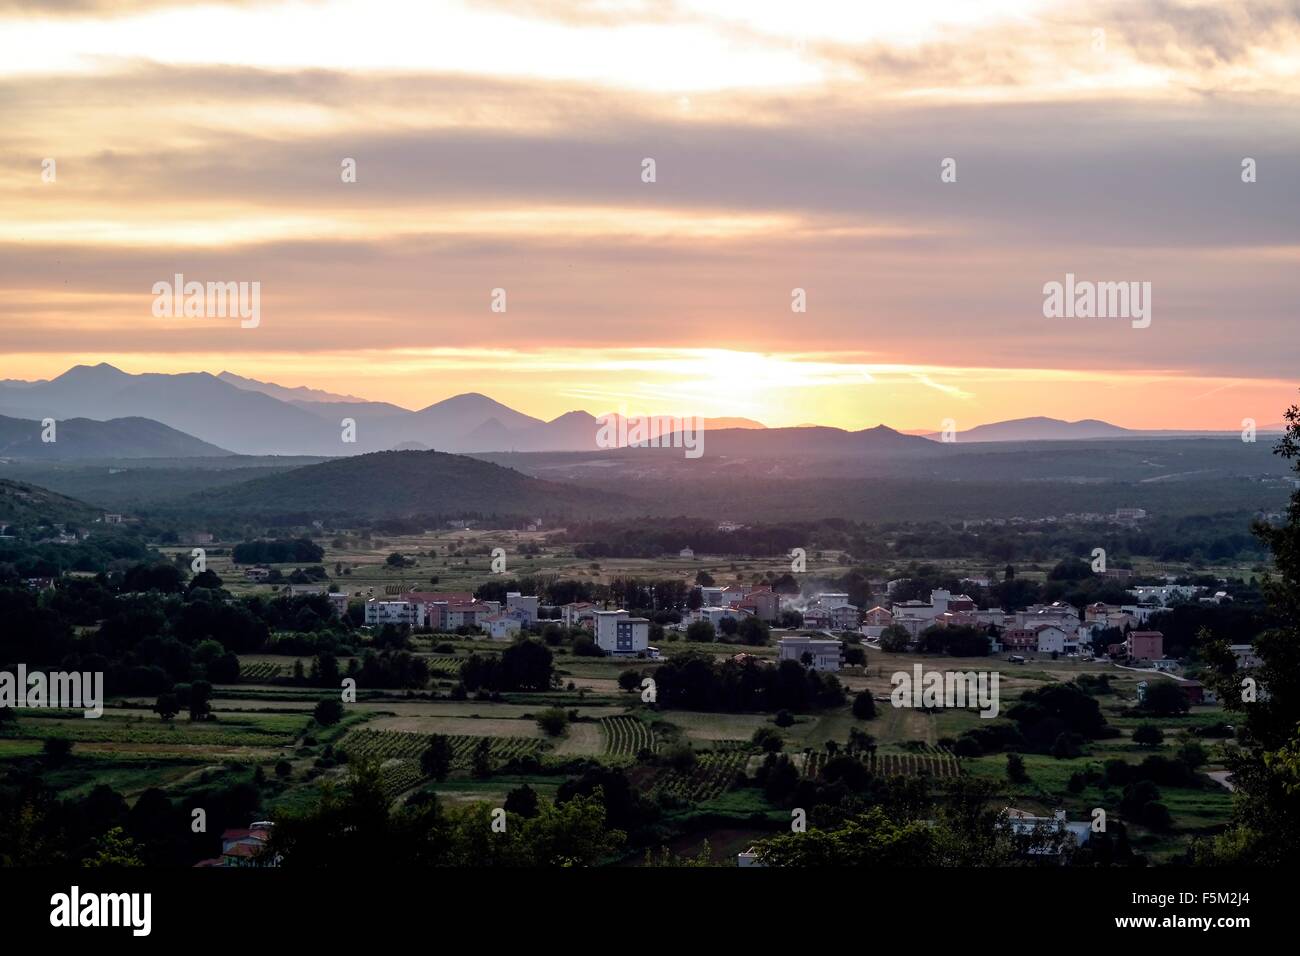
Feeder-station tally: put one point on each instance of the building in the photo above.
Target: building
(469, 614)
(397, 613)
(1145, 645)
(1051, 639)
(244, 847)
(845, 617)
(257, 574)
(817, 618)
(1049, 836)
(1245, 655)
(305, 590)
(524, 606)
(339, 601)
(687, 553)
(826, 653)
(714, 615)
(763, 603)
(1130, 514)
(501, 627)
(620, 634)
(1019, 639)
(579, 614)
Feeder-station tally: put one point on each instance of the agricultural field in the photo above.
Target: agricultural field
(626, 736)
(400, 752)
(262, 670)
(712, 775)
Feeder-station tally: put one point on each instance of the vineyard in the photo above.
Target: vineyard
(258, 670)
(383, 744)
(937, 762)
(400, 752)
(712, 776)
(626, 736)
(444, 666)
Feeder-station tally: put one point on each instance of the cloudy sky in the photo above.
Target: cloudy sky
(500, 144)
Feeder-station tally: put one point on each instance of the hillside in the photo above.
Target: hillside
(402, 483)
(84, 438)
(31, 506)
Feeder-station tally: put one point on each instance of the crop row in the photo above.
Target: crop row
(712, 776)
(937, 763)
(626, 736)
(259, 670)
(384, 744)
(445, 666)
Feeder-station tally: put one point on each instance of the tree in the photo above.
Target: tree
(1164, 699)
(895, 639)
(166, 706)
(1148, 735)
(436, 759)
(114, 849)
(526, 665)
(522, 801)
(57, 748)
(783, 718)
(553, 721)
(701, 632)
(481, 759)
(864, 705)
(629, 680)
(1016, 772)
(328, 712)
(200, 695)
(767, 740)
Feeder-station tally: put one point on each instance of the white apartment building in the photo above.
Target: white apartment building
(620, 634)
(379, 613)
(826, 652)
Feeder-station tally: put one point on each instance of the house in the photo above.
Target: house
(748, 857)
(1048, 836)
(1130, 514)
(877, 617)
(1051, 639)
(620, 634)
(1020, 639)
(687, 553)
(1198, 693)
(817, 618)
(244, 847)
(579, 614)
(112, 519)
(501, 627)
(714, 615)
(468, 614)
(201, 537)
(305, 590)
(825, 653)
(1145, 645)
(845, 617)
(1245, 655)
(40, 584)
(763, 603)
(257, 574)
(338, 601)
(524, 606)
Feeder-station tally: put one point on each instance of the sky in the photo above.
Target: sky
(921, 171)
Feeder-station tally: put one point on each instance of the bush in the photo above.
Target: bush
(328, 712)
(553, 721)
(1016, 769)
(1148, 735)
(783, 718)
(767, 739)
(864, 706)
(283, 769)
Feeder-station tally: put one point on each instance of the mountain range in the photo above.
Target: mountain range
(105, 412)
